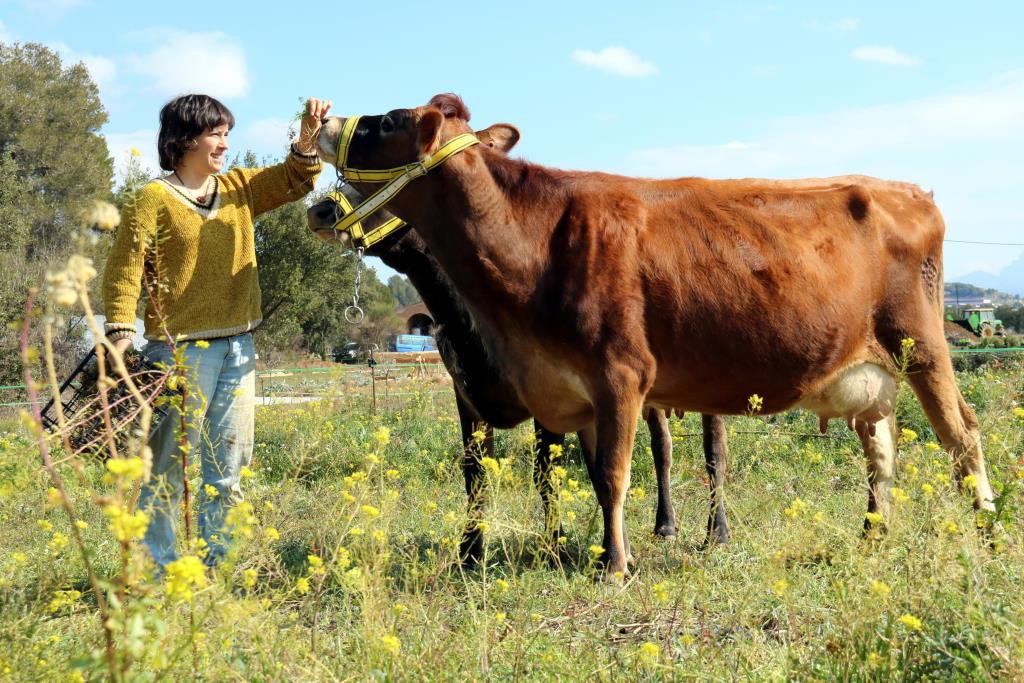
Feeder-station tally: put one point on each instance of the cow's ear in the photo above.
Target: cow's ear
(430, 123)
(500, 136)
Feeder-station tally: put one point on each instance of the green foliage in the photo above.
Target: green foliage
(1012, 317)
(53, 163)
(403, 291)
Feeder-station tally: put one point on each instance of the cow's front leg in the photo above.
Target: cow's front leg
(616, 427)
(471, 549)
(553, 533)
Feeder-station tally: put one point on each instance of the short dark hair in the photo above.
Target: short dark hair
(182, 120)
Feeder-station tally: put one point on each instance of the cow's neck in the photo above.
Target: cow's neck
(466, 214)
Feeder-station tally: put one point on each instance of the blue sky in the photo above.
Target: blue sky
(929, 92)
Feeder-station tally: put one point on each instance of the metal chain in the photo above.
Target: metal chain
(353, 313)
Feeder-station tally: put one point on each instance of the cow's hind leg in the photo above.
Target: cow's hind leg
(553, 533)
(471, 549)
(879, 442)
(931, 376)
(665, 525)
(716, 460)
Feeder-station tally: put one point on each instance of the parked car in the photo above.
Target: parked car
(349, 353)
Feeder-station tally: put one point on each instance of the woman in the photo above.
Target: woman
(189, 237)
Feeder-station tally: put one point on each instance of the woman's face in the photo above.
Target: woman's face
(208, 155)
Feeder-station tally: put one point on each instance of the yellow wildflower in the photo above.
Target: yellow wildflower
(755, 403)
(271, 533)
(302, 585)
(660, 591)
(499, 617)
(899, 495)
(202, 344)
(780, 587)
(211, 491)
(907, 435)
(1019, 412)
(245, 472)
(370, 511)
(880, 589)
(927, 489)
(490, 465)
(478, 436)
(501, 585)
(82, 524)
(638, 493)
(932, 446)
(555, 451)
(911, 622)
(135, 152)
(596, 550)
(649, 653)
(950, 527)
(383, 435)
(970, 482)
(484, 527)
(127, 468)
(249, 578)
(874, 519)
(391, 644)
(183, 575)
(796, 508)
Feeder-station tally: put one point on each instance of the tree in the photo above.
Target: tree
(50, 120)
(402, 290)
(53, 163)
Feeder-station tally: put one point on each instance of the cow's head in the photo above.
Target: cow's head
(323, 215)
(404, 136)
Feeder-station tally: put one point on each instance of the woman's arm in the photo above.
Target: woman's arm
(122, 275)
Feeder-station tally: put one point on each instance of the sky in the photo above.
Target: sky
(927, 92)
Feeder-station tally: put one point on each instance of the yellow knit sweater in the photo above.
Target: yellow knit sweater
(199, 263)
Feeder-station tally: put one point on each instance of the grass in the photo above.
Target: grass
(345, 567)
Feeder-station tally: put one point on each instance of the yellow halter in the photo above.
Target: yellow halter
(394, 178)
(362, 239)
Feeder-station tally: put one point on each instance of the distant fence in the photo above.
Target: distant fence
(277, 384)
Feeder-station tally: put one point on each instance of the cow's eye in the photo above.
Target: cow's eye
(387, 125)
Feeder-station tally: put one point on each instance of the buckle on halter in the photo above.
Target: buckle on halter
(416, 169)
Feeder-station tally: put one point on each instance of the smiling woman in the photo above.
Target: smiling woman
(189, 236)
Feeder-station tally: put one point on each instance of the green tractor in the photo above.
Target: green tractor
(981, 321)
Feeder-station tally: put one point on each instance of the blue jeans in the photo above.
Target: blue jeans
(219, 408)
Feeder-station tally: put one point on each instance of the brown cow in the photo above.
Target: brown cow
(602, 293)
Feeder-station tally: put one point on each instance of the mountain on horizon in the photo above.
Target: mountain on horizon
(1010, 279)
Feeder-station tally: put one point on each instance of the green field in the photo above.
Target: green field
(345, 561)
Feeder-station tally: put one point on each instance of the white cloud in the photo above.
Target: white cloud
(211, 63)
(617, 60)
(884, 55)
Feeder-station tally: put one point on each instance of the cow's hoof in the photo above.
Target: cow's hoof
(666, 532)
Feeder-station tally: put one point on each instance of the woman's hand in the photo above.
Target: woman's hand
(316, 111)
